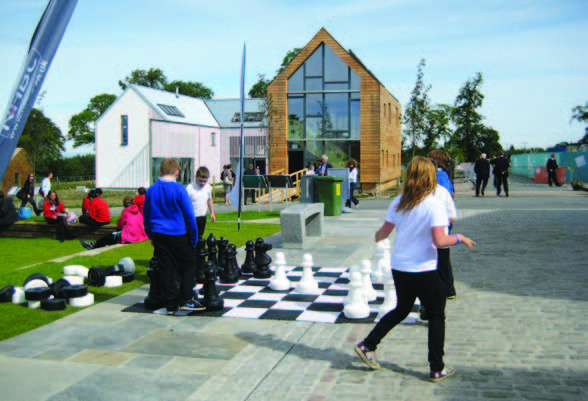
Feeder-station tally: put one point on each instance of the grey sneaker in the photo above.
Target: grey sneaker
(193, 305)
(438, 376)
(369, 357)
(173, 312)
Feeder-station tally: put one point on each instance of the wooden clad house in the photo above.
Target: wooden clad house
(18, 170)
(327, 102)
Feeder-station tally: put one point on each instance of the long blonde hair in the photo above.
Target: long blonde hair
(421, 180)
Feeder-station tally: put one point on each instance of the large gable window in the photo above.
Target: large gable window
(171, 110)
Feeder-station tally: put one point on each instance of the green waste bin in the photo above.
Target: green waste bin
(329, 193)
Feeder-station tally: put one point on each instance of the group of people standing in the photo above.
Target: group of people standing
(499, 166)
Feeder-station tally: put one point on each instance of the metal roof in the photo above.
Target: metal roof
(224, 110)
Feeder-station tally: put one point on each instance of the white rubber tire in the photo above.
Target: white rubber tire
(18, 297)
(71, 270)
(74, 280)
(36, 283)
(34, 304)
(82, 271)
(80, 302)
(128, 264)
(113, 281)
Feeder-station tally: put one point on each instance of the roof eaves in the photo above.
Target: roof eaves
(142, 96)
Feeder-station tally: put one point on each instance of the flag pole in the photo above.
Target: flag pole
(241, 141)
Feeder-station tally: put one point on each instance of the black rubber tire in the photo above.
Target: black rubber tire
(96, 276)
(75, 291)
(57, 287)
(127, 277)
(6, 293)
(36, 276)
(37, 293)
(53, 304)
(115, 270)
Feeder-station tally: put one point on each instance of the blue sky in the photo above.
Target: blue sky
(532, 54)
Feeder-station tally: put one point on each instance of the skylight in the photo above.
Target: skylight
(171, 110)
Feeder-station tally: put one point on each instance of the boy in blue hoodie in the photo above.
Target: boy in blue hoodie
(171, 226)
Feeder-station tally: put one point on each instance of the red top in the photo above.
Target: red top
(51, 211)
(99, 211)
(86, 205)
(139, 201)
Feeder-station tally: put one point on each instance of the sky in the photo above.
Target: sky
(533, 55)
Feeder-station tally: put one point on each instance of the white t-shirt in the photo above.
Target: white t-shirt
(199, 195)
(46, 185)
(443, 195)
(353, 175)
(414, 250)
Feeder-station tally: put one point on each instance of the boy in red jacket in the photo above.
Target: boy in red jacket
(99, 212)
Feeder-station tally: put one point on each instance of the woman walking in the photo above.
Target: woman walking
(27, 194)
(352, 165)
(421, 223)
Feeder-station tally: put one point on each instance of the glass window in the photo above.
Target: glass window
(314, 105)
(338, 152)
(354, 81)
(335, 68)
(212, 139)
(355, 106)
(296, 82)
(336, 112)
(313, 127)
(336, 86)
(124, 130)
(295, 117)
(355, 96)
(314, 64)
(314, 84)
(171, 110)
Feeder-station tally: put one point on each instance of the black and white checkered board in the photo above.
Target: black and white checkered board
(252, 298)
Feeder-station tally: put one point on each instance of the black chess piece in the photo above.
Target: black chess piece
(234, 248)
(230, 275)
(207, 265)
(212, 253)
(153, 299)
(222, 245)
(212, 300)
(249, 265)
(262, 259)
(200, 260)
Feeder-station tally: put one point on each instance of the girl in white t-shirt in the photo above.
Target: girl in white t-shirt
(200, 193)
(420, 221)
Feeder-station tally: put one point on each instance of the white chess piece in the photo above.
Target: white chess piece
(376, 274)
(279, 281)
(368, 291)
(353, 268)
(390, 300)
(307, 283)
(357, 308)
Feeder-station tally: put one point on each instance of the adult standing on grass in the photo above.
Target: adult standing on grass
(56, 213)
(228, 179)
(99, 214)
(8, 214)
(200, 193)
(421, 223)
(46, 185)
(27, 194)
(171, 225)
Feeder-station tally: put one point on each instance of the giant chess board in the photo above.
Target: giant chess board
(252, 298)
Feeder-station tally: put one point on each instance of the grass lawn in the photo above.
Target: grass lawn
(16, 253)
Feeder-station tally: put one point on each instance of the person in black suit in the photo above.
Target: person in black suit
(323, 169)
(249, 171)
(27, 194)
(552, 171)
(501, 165)
(482, 170)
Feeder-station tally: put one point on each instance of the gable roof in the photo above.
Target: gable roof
(224, 110)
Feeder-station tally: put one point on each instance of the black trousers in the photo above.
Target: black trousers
(176, 255)
(427, 286)
(108, 240)
(481, 181)
(552, 176)
(201, 224)
(31, 200)
(501, 180)
(85, 219)
(352, 198)
(445, 270)
(64, 232)
(247, 192)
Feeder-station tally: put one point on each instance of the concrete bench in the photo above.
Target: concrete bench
(301, 221)
(24, 229)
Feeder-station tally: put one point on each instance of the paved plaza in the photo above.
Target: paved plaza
(518, 329)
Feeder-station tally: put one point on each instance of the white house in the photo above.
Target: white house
(144, 126)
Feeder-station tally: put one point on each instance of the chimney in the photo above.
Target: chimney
(177, 91)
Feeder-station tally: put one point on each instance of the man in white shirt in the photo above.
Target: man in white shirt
(46, 185)
(200, 193)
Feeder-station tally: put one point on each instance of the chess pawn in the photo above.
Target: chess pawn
(200, 260)
(212, 250)
(368, 291)
(280, 282)
(212, 300)
(249, 265)
(352, 269)
(307, 283)
(262, 259)
(230, 275)
(389, 296)
(235, 253)
(222, 245)
(207, 265)
(357, 308)
(376, 274)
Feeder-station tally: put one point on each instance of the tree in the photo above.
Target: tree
(192, 89)
(288, 59)
(153, 78)
(81, 125)
(259, 89)
(437, 120)
(42, 140)
(580, 114)
(415, 116)
(468, 121)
